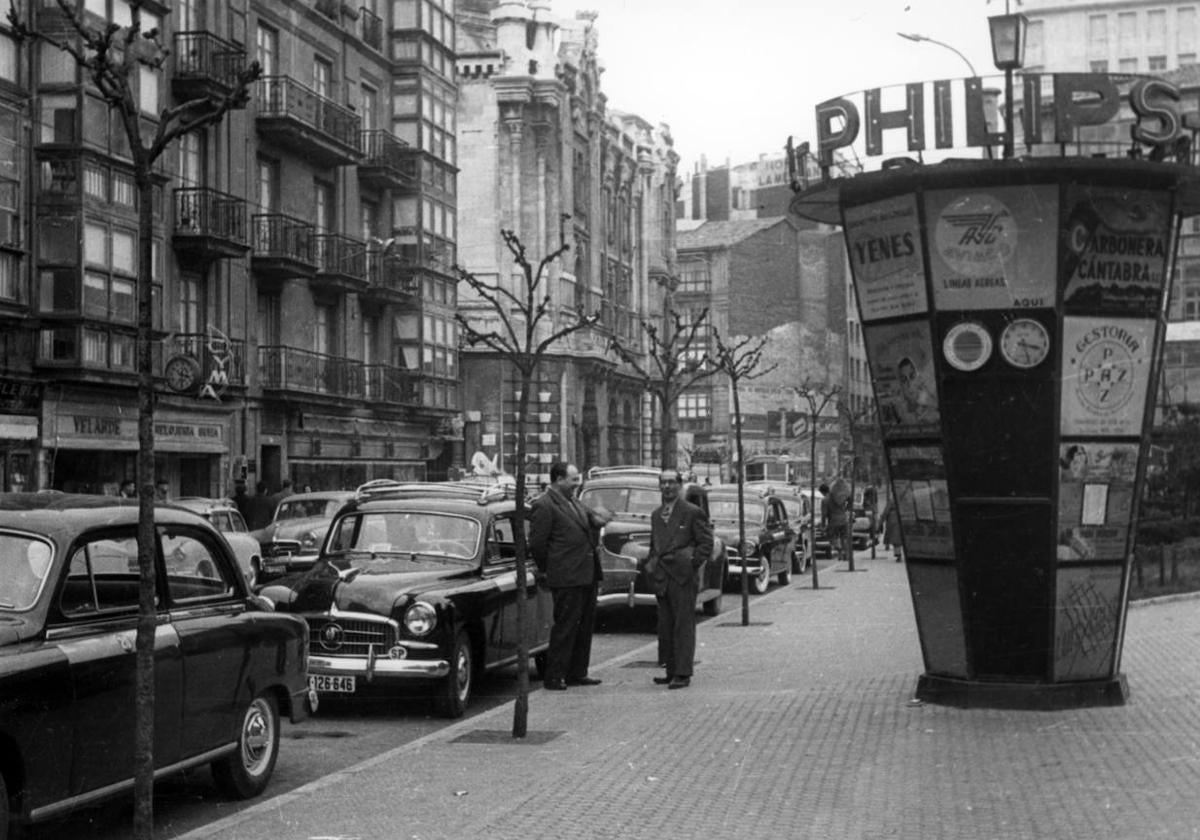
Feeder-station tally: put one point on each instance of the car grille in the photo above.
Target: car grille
(339, 636)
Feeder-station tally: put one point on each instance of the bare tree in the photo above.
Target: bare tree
(817, 396)
(674, 366)
(112, 57)
(740, 361)
(527, 333)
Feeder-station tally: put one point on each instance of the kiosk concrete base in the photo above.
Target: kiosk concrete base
(967, 694)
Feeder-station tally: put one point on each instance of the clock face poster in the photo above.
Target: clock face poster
(1114, 250)
(992, 249)
(884, 244)
(905, 388)
(1095, 499)
(1105, 373)
(922, 501)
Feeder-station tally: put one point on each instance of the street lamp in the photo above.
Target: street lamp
(916, 36)
(1008, 54)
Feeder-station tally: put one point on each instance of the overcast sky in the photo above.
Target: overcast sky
(734, 78)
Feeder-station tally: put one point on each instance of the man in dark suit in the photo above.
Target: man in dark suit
(681, 542)
(563, 539)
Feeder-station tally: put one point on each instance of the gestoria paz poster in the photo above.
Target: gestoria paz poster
(1105, 373)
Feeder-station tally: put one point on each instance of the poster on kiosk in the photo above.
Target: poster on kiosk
(1013, 315)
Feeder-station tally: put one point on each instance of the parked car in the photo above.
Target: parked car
(226, 667)
(799, 512)
(770, 538)
(631, 494)
(291, 542)
(416, 588)
(226, 518)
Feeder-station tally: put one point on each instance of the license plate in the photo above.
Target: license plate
(335, 685)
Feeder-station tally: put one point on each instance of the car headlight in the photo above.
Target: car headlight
(420, 618)
(309, 540)
(748, 549)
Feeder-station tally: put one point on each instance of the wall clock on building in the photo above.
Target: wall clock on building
(1025, 343)
(182, 374)
(967, 346)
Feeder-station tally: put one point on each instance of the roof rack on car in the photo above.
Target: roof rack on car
(631, 470)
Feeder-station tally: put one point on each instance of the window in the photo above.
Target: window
(58, 119)
(148, 90)
(1127, 65)
(194, 569)
(268, 184)
(694, 277)
(1185, 34)
(267, 318)
(1191, 302)
(325, 330)
(367, 98)
(191, 159)
(1097, 35)
(12, 289)
(102, 576)
(691, 406)
(266, 48)
(323, 192)
(189, 304)
(322, 76)
(1098, 66)
(1157, 63)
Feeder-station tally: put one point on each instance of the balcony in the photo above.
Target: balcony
(283, 247)
(370, 28)
(391, 278)
(295, 371)
(341, 264)
(206, 67)
(209, 225)
(298, 118)
(392, 385)
(388, 162)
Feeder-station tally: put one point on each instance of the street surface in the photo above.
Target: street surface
(340, 735)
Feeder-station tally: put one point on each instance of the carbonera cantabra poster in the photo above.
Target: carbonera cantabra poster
(922, 502)
(902, 364)
(885, 253)
(1115, 250)
(992, 249)
(1105, 373)
(1095, 499)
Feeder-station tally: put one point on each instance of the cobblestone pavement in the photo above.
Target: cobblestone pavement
(800, 725)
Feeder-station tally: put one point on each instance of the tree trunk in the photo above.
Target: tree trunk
(812, 481)
(740, 477)
(666, 433)
(147, 624)
(520, 724)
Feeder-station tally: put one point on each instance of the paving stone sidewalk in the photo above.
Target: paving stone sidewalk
(800, 725)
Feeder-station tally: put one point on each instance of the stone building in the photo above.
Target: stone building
(542, 154)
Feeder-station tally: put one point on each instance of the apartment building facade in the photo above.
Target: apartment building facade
(303, 297)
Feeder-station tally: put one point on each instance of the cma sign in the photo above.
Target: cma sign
(946, 114)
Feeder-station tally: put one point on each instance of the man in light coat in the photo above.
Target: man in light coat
(564, 536)
(681, 541)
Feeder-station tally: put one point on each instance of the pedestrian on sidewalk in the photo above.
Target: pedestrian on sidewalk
(563, 538)
(680, 543)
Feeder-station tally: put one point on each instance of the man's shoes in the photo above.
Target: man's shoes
(584, 681)
(555, 685)
(667, 680)
(680, 682)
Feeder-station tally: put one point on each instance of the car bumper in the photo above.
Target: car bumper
(629, 597)
(379, 669)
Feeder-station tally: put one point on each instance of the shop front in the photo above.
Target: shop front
(91, 447)
(20, 401)
(327, 452)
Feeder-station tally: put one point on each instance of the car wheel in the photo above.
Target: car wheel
(713, 605)
(761, 580)
(10, 829)
(455, 692)
(539, 664)
(244, 773)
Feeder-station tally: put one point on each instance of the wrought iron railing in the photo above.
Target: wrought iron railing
(201, 211)
(292, 369)
(393, 385)
(337, 254)
(283, 237)
(383, 149)
(202, 55)
(284, 97)
(391, 272)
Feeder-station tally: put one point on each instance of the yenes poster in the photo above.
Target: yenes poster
(884, 242)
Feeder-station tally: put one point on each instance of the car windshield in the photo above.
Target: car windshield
(623, 501)
(725, 511)
(306, 508)
(24, 564)
(392, 537)
(794, 508)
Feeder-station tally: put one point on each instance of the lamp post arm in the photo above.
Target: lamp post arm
(915, 36)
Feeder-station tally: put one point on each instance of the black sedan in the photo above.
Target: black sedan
(416, 587)
(770, 538)
(225, 666)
